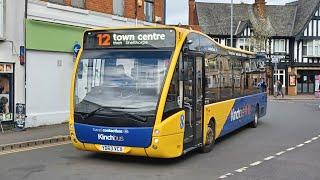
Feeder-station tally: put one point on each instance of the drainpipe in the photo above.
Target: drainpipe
(25, 51)
(164, 11)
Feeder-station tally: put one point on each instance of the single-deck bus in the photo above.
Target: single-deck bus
(161, 91)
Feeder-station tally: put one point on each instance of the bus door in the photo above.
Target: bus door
(193, 99)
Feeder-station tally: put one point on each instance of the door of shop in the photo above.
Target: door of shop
(306, 81)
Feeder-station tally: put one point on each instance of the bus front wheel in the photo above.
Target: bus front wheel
(210, 138)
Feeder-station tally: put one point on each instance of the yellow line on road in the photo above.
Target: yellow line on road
(34, 148)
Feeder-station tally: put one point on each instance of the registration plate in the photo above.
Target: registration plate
(109, 148)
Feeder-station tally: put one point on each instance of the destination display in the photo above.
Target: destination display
(133, 38)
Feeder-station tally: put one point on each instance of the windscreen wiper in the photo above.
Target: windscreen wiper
(103, 108)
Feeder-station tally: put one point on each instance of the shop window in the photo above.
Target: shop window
(57, 1)
(2, 19)
(6, 92)
(148, 10)
(78, 3)
(118, 7)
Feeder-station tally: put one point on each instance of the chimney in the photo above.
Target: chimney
(259, 7)
(192, 12)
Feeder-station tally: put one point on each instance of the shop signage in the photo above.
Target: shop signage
(292, 80)
(22, 55)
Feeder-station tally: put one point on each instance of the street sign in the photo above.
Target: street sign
(275, 60)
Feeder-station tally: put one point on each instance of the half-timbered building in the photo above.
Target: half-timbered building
(293, 44)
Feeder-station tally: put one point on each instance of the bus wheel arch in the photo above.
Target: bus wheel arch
(210, 136)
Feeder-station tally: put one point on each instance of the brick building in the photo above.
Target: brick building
(294, 39)
(46, 32)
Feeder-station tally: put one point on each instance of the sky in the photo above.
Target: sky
(177, 10)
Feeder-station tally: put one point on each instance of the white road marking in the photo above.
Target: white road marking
(223, 176)
(256, 163)
(241, 169)
(290, 149)
(279, 153)
(268, 158)
(307, 142)
(300, 145)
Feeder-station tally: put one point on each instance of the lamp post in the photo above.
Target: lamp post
(231, 33)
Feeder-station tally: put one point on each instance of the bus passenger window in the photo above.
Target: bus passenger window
(212, 87)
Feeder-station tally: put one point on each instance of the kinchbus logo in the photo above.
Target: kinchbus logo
(240, 112)
(110, 137)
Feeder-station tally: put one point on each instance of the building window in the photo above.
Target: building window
(279, 45)
(118, 7)
(246, 44)
(57, 1)
(311, 48)
(78, 3)
(148, 10)
(280, 74)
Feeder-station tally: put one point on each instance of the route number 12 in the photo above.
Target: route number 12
(104, 39)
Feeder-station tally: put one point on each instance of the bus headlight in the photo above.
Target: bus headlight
(156, 141)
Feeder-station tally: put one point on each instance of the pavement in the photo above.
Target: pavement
(285, 145)
(298, 97)
(31, 136)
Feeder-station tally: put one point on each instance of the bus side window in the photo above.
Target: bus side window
(212, 89)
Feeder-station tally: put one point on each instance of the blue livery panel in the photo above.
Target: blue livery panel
(116, 136)
(243, 111)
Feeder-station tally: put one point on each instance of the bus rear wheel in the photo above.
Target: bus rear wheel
(210, 138)
(254, 123)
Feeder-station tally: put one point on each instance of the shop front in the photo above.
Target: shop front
(6, 92)
(306, 83)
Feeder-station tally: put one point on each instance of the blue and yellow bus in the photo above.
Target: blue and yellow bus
(161, 91)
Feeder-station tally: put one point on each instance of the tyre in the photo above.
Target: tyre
(210, 138)
(254, 123)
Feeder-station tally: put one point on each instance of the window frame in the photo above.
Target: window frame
(115, 10)
(311, 48)
(277, 45)
(280, 74)
(61, 2)
(75, 3)
(151, 2)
